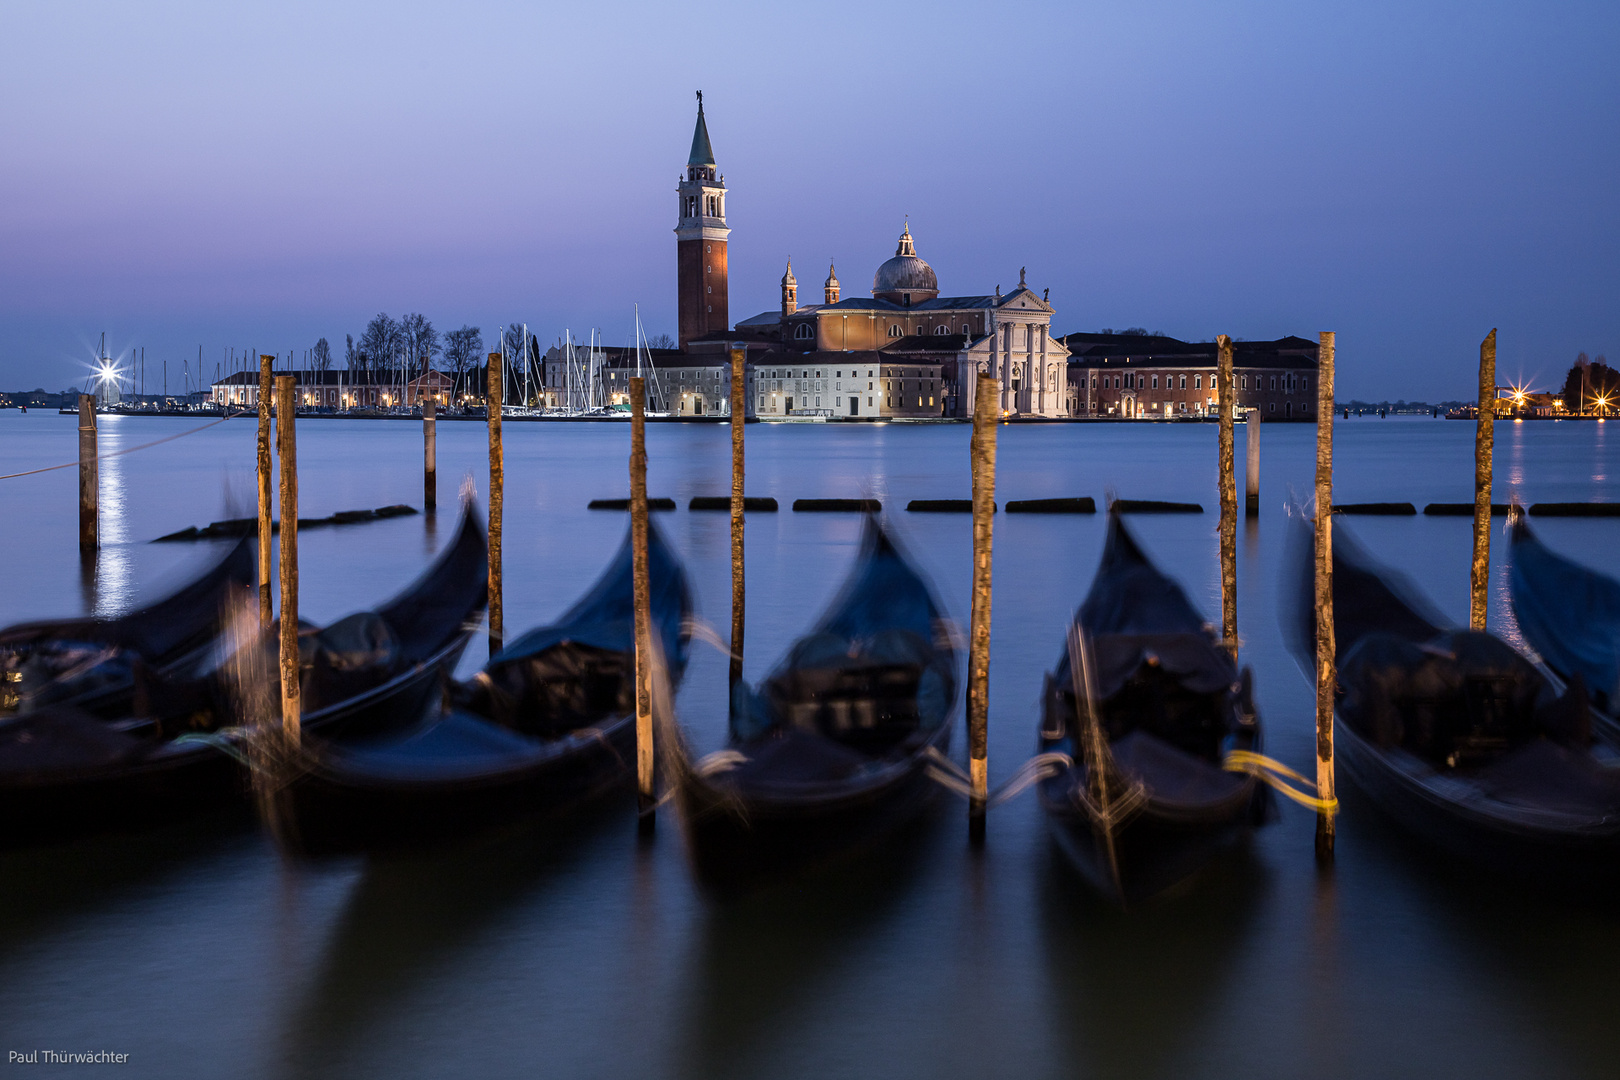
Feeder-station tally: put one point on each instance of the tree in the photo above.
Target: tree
(661, 341)
(321, 356)
(419, 343)
(379, 344)
(462, 350)
(350, 357)
(1590, 382)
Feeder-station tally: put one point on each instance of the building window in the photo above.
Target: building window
(1155, 382)
(803, 332)
(1198, 382)
(1305, 383)
(1245, 381)
(1272, 407)
(894, 331)
(1274, 386)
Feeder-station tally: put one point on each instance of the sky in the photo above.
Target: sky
(201, 177)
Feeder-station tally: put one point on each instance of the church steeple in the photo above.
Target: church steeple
(701, 234)
(702, 153)
(790, 291)
(830, 286)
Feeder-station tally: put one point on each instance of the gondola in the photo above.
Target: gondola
(547, 724)
(95, 664)
(831, 752)
(1455, 735)
(65, 770)
(1570, 615)
(1139, 797)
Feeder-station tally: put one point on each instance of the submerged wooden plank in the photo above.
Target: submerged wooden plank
(1154, 506)
(871, 506)
(1389, 509)
(1085, 505)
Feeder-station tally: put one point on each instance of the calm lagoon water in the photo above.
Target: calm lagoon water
(572, 950)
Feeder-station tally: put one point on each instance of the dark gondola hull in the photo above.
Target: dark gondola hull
(1155, 851)
(330, 811)
(1542, 838)
(1520, 847)
(738, 838)
(167, 781)
(1162, 676)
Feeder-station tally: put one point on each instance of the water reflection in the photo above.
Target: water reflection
(411, 915)
(764, 961)
(114, 583)
(1133, 991)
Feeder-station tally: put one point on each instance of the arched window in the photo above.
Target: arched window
(894, 331)
(803, 332)
(942, 330)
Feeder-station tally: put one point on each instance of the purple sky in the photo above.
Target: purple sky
(1406, 174)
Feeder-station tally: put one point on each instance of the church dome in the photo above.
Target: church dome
(905, 279)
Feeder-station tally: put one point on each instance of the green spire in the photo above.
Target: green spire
(702, 152)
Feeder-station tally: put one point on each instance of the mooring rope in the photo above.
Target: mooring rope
(1276, 775)
(130, 450)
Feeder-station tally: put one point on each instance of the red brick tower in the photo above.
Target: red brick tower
(701, 240)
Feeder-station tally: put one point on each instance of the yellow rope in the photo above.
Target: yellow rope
(1273, 772)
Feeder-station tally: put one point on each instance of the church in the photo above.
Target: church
(903, 352)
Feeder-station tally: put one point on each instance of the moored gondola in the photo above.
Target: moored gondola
(1145, 709)
(549, 723)
(1569, 614)
(64, 770)
(1454, 734)
(96, 664)
(831, 752)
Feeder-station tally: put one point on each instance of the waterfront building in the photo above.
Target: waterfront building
(1153, 377)
(339, 389)
(917, 349)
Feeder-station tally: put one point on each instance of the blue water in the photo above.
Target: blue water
(574, 950)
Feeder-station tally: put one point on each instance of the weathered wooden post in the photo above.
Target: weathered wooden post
(983, 461)
(1326, 648)
(739, 415)
(497, 485)
(1485, 435)
(89, 477)
(430, 457)
(286, 444)
(1223, 399)
(1251, 468)
(646, 798)
(266, 397)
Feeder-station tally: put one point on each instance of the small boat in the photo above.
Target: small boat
(1453, 733)
(63, 769)
(95, 664)
(1570, 615)
(832, 752)
(549, 723)
(1142, 715)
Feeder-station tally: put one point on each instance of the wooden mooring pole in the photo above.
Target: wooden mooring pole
(1326, 647)
(430, 456)
(497, 489)
(1479, 577)
(89, 477)
(739, 415)
(287, 447)
(1251, 467)
(1228, 484)
(982, 456)
(646, 797)
(266, 398)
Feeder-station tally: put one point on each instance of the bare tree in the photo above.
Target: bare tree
(462, 350)
(661, 341)
(320, 357)
(419, 343)
(379, 345)
(351, 359)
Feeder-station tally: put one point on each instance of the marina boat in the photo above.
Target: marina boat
(1142, 714)
(65, 769)
(548, 724)
(1570, 615)
(831, 752)
(95, 664)
(1453, 733)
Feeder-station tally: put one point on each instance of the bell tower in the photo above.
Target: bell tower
(700, 240)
